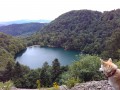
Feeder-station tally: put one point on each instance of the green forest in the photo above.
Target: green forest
(9, 46)
(90, 32)
(95, 34)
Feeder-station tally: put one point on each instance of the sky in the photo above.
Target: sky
(11, 10)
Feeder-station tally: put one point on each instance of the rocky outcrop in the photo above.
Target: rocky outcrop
(93, 85)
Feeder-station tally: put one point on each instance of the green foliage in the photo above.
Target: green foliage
(55, 85)
(38, 84)
(91, 32)
(51, 74)
(118, 64)
(45, 76)
(6, 86)
(72, 81)
(55, 70)
(113, 45)
(8, 73)
(85, 69)
(9, 46)
(17, 70)
(29, 79)
(5, 57)
(69, 80)
(24, 77)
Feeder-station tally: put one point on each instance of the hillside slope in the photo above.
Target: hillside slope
(9, 46)
(19, 29)
(85, 30)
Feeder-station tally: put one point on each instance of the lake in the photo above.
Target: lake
(35, 56)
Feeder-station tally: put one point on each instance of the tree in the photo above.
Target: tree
(112, 45)
(19, 76)
(8, 73)
(55, 70)
(45, 77)
(29, 79)
(82, 70)
(17, 70)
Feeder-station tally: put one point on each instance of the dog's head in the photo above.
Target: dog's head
(107, 66)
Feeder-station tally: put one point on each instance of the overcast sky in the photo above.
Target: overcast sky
(49, 9)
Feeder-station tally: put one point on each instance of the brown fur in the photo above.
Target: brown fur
(112, 72)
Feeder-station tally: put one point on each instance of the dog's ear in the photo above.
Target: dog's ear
(102, 62)
(110, 60)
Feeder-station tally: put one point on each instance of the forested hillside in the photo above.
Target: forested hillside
(89, 31)
(21, 29)
(9, 46)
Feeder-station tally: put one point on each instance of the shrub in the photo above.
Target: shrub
(72, 81)
(6, 86)
(38, 84)
(84, 69)
(118, 64)
(68, 80)
(89, 66)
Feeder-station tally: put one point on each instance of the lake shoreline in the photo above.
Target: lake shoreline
(45, 54)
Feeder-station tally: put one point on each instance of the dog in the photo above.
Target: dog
(112, 72)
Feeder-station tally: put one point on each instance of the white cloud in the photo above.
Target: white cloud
(49, 9)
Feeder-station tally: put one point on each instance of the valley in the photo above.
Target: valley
(95, 34)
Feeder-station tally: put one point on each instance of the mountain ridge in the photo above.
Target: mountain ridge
(20, 29)
(23, 22)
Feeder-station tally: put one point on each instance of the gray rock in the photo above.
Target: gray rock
(93, 85)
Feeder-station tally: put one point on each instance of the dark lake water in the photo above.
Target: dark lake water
(35, 56)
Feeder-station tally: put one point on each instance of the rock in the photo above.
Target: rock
(99, 87)
(93, 85)
(63, 87)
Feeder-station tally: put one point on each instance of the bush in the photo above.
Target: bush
(72, 81)
(118, 64)
(84, 69)
(68, 80)
(89, 66)
(6, 86)
(86, 75)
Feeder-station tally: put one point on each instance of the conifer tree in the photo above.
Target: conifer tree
(8, 73)
(55, 70)
(17, 70)
(44, 76)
